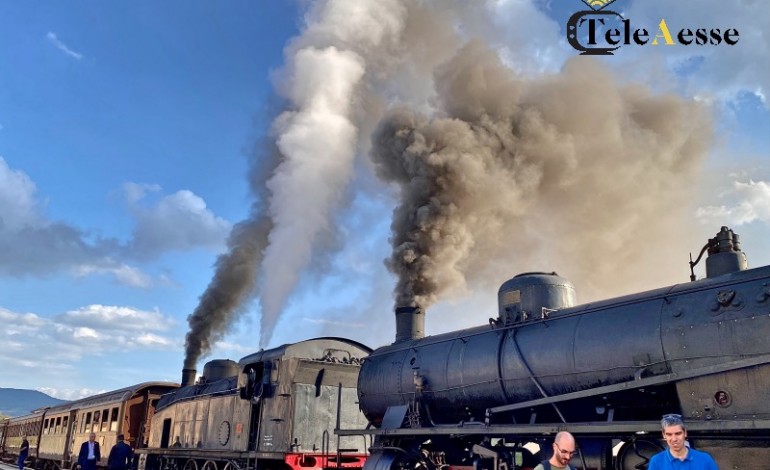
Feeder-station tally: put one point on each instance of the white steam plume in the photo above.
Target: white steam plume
(317, 139)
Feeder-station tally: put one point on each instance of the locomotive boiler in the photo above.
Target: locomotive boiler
(605, 371)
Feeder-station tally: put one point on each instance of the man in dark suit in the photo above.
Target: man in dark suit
(23, 452)
(89, 454)
(120, 456)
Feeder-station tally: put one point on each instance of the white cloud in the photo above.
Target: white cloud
(180, 221)
(16, 322)
(177, 222)
(63, 47)
(85, 333)
(114, 318)
(747, 202)
(133, 192)
(62, 346)
(33, 342)
(18, 206)
(124, 274)
(149, 339)
(69, 393)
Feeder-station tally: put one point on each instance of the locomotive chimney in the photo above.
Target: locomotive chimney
(410, 323)
(188, 377)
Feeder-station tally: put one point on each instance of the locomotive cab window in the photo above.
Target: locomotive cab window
(257, 380)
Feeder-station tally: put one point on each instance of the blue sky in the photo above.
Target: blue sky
(127, 130)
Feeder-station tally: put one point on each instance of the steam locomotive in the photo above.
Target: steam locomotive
(276, 409)
(605, 371)
(483, 398)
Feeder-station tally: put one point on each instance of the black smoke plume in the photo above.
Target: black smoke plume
(576, 162)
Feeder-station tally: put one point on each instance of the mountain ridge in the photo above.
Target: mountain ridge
(19, 402)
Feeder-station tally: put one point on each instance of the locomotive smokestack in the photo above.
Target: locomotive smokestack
(410, 323)
(188, 377)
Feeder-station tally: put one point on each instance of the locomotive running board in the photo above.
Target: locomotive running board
(601, 428)
(630, 385)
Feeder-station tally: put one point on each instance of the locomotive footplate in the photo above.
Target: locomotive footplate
(601, 428)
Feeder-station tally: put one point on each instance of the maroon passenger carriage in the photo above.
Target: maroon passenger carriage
(56, 433)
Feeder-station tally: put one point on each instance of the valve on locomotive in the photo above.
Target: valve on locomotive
(724, 255)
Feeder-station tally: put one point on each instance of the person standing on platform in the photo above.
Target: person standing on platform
(89, 454)
(23, 452)
(678, 454)
(563, 449)
(120, 455)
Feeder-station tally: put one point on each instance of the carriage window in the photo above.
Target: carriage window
(45, 427)
(58, 425)
(105, 419)
(64, 424)
(114, 420)
(87, 423)
(97, 419)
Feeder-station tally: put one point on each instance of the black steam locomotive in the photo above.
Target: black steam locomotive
(605, 371)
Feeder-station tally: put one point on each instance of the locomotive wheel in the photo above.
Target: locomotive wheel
(232, 466)
(49, 465)
(168, 463)
(634, 455)
(210, 465)
(383, 460)
(191, 465)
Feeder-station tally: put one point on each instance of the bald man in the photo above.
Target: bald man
(563, 450)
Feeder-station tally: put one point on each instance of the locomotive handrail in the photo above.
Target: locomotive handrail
(632, 384)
